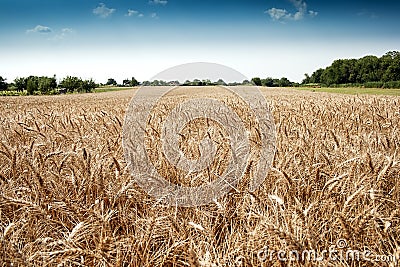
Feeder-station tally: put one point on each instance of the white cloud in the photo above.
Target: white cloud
(277, 13)
(301, 7)
(134, 13)
(103, 11)
(40, 29)
(63, 34)
(158, 2)
(67, 30)
(283, 14)
(154, 16)
(313, 13)
(54, 35)
(367, 13)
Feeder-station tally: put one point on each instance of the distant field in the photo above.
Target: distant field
(349, 91)
(354, 91)
(112, 89)
(68, 199)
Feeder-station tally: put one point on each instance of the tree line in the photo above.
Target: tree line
(125, 83)
(271, 82)
(43, 85)
(369, 71)
(195, 82)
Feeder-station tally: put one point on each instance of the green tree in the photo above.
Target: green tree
(221, 82)
(46, 84)
(155, 83)
(20, 84)
(368, 69)
(307, 79)
(3, 84)
(256, 81)
(328, 76)
(71, 83)
(268, 82)
(146, 83)
(391, 61)
(284, 82)
(197, 82)
(111, 82)
(87, 86)
(126, 82)
(134, 82)
(31, 85)
(316, 76)
(206, 82)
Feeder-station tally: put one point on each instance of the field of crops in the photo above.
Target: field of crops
(67, 197)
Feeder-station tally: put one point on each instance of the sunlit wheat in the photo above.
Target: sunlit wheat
(68, 199)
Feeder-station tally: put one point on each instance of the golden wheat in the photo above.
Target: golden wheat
(68, 199)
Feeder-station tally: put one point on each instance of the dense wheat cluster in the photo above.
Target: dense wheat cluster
(67, 197)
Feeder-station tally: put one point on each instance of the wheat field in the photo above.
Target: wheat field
(67, 197)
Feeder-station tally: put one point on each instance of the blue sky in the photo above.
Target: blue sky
(125, 38)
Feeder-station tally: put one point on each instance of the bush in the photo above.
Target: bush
(31, 85)
(12, 93)
(386, 85)
(392, 85)
(373, 85)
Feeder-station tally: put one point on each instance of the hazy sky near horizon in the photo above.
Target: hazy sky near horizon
(140, 38)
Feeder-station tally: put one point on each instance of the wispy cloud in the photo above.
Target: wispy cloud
(154, 16)
(64, 34)
(134, 13)
(277, 13)
(52, 35)
(283, 14)
(366, 13)
(103, 11)
(312, 13)
(158, 2)
(40, 29)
